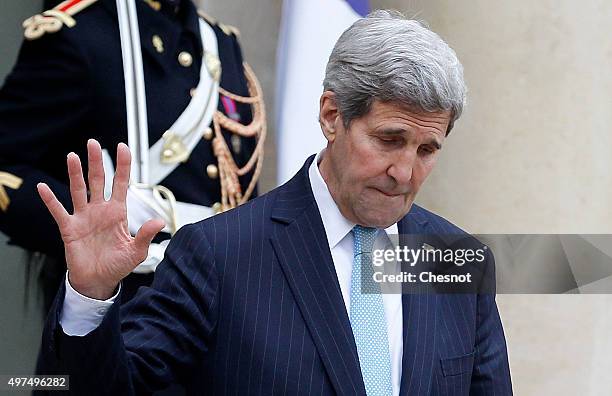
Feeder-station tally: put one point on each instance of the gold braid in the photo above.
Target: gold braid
(231, 192)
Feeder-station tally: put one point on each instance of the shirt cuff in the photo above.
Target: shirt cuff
(81, 314)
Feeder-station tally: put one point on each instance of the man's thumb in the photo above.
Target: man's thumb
(146, 234)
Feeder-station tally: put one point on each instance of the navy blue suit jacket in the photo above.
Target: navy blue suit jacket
(248, 303)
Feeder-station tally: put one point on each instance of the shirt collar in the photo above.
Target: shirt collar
(335, 224)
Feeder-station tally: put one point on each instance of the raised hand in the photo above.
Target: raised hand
(99, 248)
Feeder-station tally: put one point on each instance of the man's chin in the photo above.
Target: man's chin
(384, 220)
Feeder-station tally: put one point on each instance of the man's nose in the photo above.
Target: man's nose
(402, 166)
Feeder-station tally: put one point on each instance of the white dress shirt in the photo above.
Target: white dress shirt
(80, 315)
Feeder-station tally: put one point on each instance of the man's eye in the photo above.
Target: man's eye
(389, 141)
(426, 150)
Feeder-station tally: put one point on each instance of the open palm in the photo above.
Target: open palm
(99, 248)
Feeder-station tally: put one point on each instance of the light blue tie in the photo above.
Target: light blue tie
(367, 316)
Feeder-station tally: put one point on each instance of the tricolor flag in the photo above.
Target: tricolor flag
(309, 30)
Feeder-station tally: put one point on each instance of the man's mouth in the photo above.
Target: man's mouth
(388, 194)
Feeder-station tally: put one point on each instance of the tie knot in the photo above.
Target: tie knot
(364, 239)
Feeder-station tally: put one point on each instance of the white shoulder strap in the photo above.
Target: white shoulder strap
(135, 97)
(147, 165)
(199, 113)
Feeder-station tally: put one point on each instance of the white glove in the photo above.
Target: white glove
(147, 202)
(155, 256)
(141, 207)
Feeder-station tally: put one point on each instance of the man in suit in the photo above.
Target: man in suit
(266, 299)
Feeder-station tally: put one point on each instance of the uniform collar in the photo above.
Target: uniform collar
(170, 7)
(154, 23)
(171, 3)
(191, 19)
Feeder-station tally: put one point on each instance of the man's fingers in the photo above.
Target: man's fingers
(96, 171)
(146, 234)
(54, 206)
(122, 175)
(78, 189)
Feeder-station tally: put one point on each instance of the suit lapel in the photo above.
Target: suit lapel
(419, 325)
(303, 252)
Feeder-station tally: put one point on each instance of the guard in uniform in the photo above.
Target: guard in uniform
(156, 74)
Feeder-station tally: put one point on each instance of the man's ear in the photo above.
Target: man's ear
(329, 116)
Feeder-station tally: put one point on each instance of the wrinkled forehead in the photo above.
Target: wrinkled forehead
(397, 118)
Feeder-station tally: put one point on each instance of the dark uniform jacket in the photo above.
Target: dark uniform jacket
(68, 86)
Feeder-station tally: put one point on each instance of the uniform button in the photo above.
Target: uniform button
(185, 59)
(208, 133)
(212, 171)
(213, 65)
(236, 144)
(101, 311)
(217, 207)
(192, 92)
(158, 43)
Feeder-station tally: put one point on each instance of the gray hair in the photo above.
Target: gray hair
(387, 57)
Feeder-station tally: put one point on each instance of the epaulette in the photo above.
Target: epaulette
(227, 29)
(52, 20)
(11, 181)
